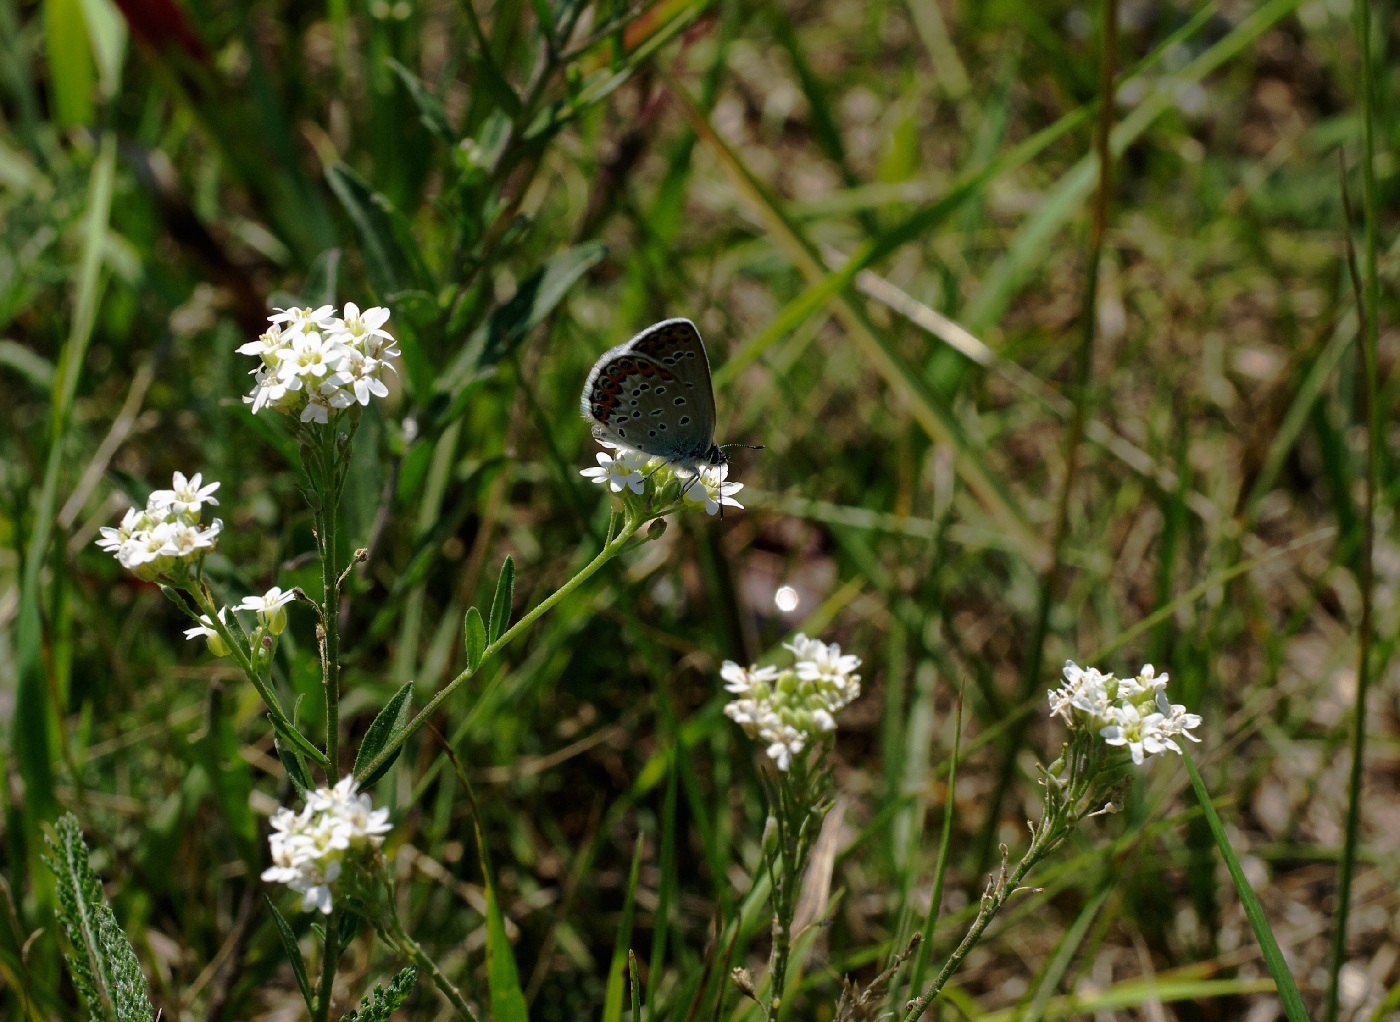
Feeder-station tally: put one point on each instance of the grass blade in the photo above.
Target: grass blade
(940, 869)
(32, 723)
(1273, 957)
(622, 953)
(928, 409)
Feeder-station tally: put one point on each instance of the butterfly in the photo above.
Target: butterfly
(653, 394)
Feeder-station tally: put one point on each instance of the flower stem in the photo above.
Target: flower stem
(783, 898)
(329, 959)
(1047, 837)
(269, 698)
(411, 950)
(617, 539)
(330, 599)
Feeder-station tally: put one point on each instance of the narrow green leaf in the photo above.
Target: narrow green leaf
(536, 298)
(940, 868)
(71, 73)
(100, 957)
(502, 979)
(430, 109)
(291, 762)
(390, 268)
(32, 715)
(612, 1002)
(1273, 957)
(475, 638)
(387, 724)
(636, 986)
(298, 739)
(501, 602)
(293, 949)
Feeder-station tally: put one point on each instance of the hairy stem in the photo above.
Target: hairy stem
(413, 951)
(250, 671)
(329, 959)
(610, 550)
(327, 519)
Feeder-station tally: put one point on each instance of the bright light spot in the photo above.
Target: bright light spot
(786, 599)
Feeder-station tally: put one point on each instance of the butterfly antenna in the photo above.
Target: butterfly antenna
(750, 447)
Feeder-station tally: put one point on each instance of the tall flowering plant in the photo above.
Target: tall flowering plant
(791, 711)
(1115, 725)
(317, 370)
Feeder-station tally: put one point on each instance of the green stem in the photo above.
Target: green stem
(782, 904)
(610, 550)
(1047, 837)
(1369, 311)
(328, 963)
(330, 598)
(411, 950)
(269, 698)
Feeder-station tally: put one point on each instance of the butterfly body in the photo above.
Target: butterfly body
(653, 394)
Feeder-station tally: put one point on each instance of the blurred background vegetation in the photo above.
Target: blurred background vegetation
(525, 185)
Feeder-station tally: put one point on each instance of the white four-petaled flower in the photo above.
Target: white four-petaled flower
(709, 488)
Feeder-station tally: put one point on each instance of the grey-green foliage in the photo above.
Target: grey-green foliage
(99, 956)
(380, 1003)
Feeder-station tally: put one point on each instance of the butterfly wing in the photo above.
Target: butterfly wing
(653, 393)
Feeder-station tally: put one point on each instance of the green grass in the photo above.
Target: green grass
(1231, 516)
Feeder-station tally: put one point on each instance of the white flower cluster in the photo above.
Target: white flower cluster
(629, 469)
(310, 848)
(314, 362)
(786, 707)
(166, 536)
(1123, 711)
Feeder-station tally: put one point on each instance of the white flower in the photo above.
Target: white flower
(318, 409)
(305, 319)
(1134, 713)
(364, 329)
(186, 496)
(784, 743)
(1086, 691)
(1147, 681)
(206, 629)
(311, 849)
(743, 681)
(816, 661)
(314, 362)
(785, 707)
(112, 539)
(310, 354)
(709, 488)
(620, 472)
(270, 608)
(165, 537)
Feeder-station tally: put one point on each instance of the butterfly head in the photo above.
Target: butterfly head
(715, 457)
